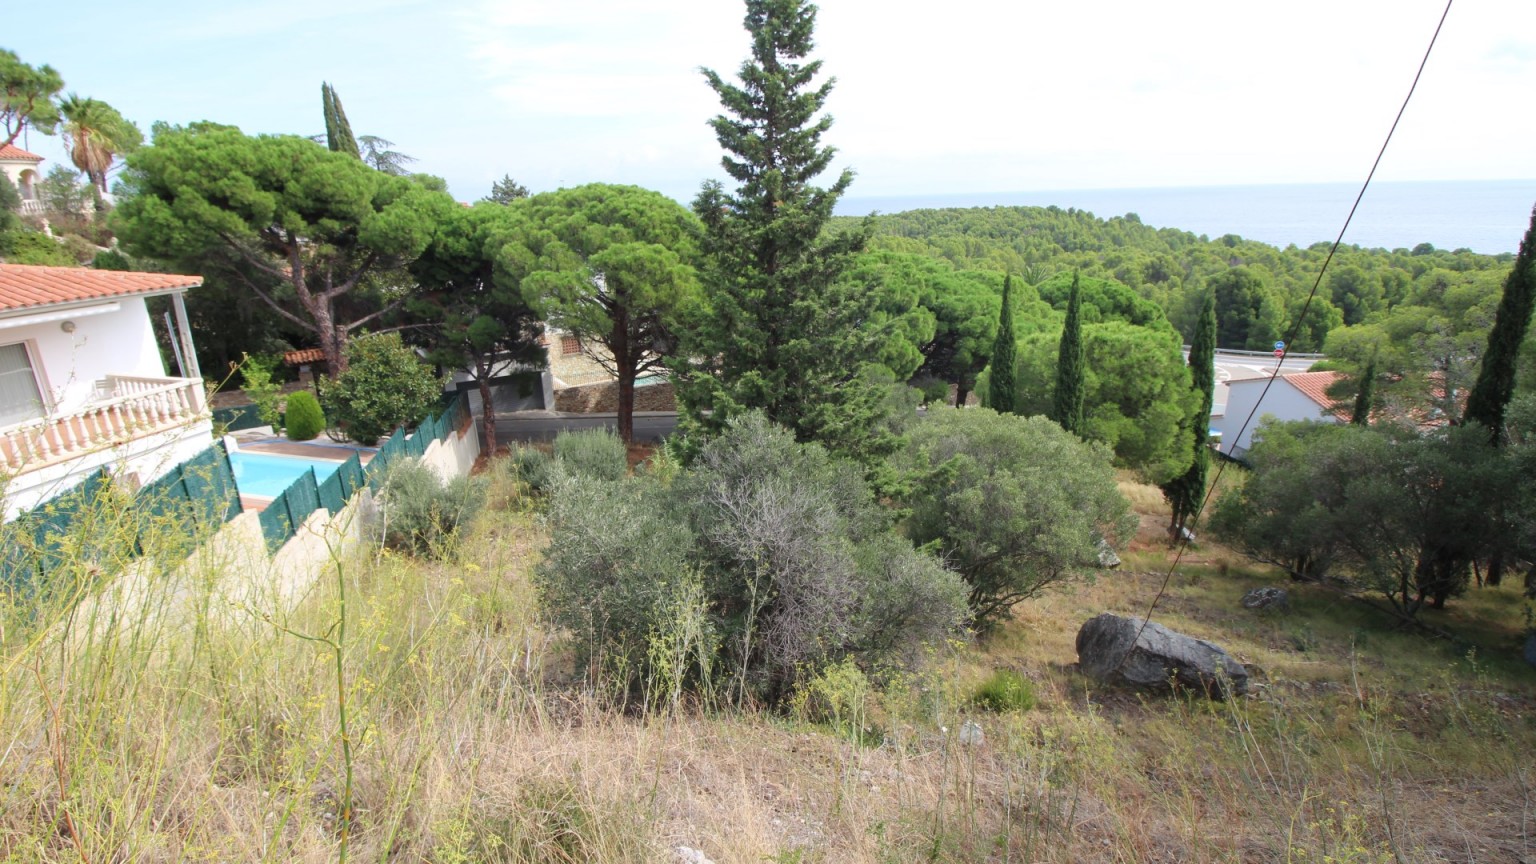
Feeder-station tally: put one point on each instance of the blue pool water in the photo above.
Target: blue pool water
(267, 474)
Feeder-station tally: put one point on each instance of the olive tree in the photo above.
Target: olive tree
(1014, 504)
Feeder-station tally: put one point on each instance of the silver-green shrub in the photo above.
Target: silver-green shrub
(421, 512)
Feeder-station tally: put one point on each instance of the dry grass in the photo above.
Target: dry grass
(473, 741)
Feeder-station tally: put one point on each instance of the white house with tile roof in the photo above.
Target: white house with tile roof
(82, 383)
(1298, 396)
(20, 167)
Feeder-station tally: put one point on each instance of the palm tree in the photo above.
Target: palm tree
(95, 134)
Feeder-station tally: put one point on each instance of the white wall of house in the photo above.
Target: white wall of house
(1282, 402)
(68, 364)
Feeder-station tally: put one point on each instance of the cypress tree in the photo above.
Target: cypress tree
(1496, 378)
(338, 132)
(1071, 365)
(1495, 384)
(1001, 393)
(1186, 492)
(783, 332)
(1363, 399)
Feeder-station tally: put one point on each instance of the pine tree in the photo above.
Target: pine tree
(1186, 492)
(1496, 379)
(338, 132)
(782, 333)
(1363, 399)
(1071, 363)
(1001, 394)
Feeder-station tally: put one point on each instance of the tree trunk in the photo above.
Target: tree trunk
(487, 415)
(332, 338)
(624, 365)
(962, 392)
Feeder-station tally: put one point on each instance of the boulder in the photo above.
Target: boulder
(1267, 597)
(686, 855)
(1108, 560)
(1118, 648)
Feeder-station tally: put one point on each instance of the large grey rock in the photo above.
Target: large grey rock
(1109, 648)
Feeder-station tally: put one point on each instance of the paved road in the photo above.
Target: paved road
(650, 426)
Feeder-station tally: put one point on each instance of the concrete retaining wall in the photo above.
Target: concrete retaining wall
(603, 398)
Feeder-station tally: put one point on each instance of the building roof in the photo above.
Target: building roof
(1314, 386)
(11, 151)
(302, 356)
(26, 286)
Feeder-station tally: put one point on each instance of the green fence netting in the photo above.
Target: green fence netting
(190, 500)
(237, 418)
(97, 526)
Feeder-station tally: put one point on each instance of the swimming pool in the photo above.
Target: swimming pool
(268, 474)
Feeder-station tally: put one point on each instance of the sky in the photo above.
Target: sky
(964, 96)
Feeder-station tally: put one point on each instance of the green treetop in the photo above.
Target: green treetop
(1000, 382)
(321, 237)
(471, 308)
(1496, 377)
(26, 97)
(95, 134)
(338, 131)
(1186, 493)
(614, 268)
(1067, 405)
(783, 332)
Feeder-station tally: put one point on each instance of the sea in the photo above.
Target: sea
(1487, 216)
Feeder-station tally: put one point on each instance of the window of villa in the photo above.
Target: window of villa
(20, 398)
(570, 345)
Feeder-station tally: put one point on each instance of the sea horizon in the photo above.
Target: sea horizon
(1486, 216)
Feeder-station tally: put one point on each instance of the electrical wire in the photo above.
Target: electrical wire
(1183, 540)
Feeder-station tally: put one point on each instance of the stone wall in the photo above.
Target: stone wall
(603, 398)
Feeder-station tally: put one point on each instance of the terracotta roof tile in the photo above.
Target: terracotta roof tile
(302, 356)
(11, 151)
(1314, 386)
(25, 286)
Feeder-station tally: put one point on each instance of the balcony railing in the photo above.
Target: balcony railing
(32, 207)
(127, 407)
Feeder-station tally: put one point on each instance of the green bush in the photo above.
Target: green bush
(385, 386)
(935, 390)
(796, 562)
(594, 453)
(1014, 504)
(304, 419)
(421, 514)
(1006, 690)
(34, 247)
(258, 386)
(534, 466)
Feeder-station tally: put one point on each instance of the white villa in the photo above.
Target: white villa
(1298, 396)
(82, 384)
(21, 168)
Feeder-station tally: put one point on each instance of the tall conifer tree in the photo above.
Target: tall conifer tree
(1071, 363)
(782, 333)
(338, 132)
(1366, 394)
(1186, 492)
(1001, 394)
(1495, 385)
(1496, 379)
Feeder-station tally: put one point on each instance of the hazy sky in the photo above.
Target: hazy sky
(963, 96)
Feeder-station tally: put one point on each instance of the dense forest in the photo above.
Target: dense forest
(1261, 290)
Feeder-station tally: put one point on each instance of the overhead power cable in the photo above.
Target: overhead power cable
(1183, 540)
